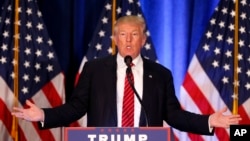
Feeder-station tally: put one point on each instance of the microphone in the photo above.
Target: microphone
(128, 61)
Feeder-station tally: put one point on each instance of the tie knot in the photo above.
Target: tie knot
(131, 64)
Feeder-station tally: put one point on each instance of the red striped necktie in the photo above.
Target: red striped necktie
(128, 103)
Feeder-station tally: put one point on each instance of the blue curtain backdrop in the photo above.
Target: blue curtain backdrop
(176, 27)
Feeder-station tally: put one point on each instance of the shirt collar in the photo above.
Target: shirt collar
(121, 63)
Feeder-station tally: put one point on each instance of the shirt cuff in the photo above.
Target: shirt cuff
(42, 123)
(209, 126)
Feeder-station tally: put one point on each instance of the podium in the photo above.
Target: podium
(117, 134)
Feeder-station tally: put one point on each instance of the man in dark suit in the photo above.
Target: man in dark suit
(99, 92)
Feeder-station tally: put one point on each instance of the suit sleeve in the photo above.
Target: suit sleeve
(181, 119)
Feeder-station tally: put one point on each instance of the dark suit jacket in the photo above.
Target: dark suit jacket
(95, 95)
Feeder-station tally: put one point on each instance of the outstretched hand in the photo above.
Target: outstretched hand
(218, 119)
(33, 113)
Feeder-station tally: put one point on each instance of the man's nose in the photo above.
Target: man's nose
(128, 38)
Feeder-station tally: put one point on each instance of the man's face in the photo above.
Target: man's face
(129, 39)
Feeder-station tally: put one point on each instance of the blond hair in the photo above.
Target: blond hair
(130, 19)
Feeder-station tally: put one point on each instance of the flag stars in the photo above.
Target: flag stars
(231, 27)
(235, 96)
(16, 36)
(39, 26)
(238, 70)
(209, 34)
(14, 62)
(108, 6)
(25, 77)
(39, 14)
(131, 1)
(50, 42)
(222, 24)
(50, 55)
(3, 60)
(19, 9)
(104, 20)
(39, 39)
(240, 57)
(139, 4)
(102, 33)
(9, 8)
(29, 25)
(224, 10)
(119, 10)
(225, 80)
(241, 43)
(26, 64)
(232, 13)
(242, 30)
(219, 37)
(38, 53)
(28, 38)
(217, 51)
(243, 2)
(148, 33)
(37, 79)
(236, 83)
(215, 64)
(98, 47)
(247, 86)
(206, 47)
(17, 22)
(128, 12)
(212, 21)
(12, 75)
(110, 50)
(50, 68)
(248, 73)
(25, 90)
(228, 53)
(147, 46)
(29, 11)
(230, 40)
(4, 47)
(27, 51)
(38, 66)
(243, 16)
(7, 21)
(226, 67)
(5, 34)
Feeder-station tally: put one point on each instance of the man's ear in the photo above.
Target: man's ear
(144, 39)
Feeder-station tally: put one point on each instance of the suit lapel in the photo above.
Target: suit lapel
(148, 83)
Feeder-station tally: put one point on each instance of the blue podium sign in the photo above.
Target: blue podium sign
(116, 134)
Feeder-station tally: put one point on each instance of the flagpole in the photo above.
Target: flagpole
(14, 130)
(113, 21)
(236, 39)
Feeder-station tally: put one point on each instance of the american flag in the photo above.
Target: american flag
(209, 82)
(40, 78)
(100, 44)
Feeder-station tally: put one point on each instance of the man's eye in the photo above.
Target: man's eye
(122, 34)
(135, 34)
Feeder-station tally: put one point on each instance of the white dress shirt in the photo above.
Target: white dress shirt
(137, 70)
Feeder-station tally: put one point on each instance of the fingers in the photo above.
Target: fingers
(29, 103)
(223, 110)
